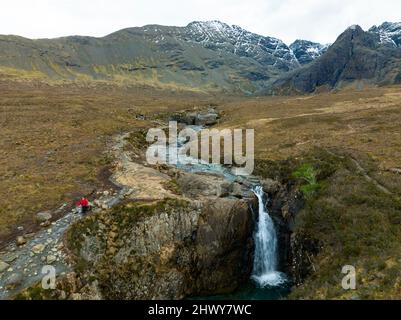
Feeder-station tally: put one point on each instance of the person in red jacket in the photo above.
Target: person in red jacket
(84, 205)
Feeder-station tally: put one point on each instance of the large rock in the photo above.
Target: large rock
(37, 249)
(270, 186)
(51, 259)
(211, 185)
(43, 216)
(185, 118)
(13, 281)
(208, 119)
(21, 241)
(178, 248)
(197, 185)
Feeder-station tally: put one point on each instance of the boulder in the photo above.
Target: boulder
(21, 241)
(50, 259)
(38, 248)
(224, 189)
(13, 281)
(270, 186)
(241, 191)
(185, 118)
(44, 216)
(201, 185)
(207, 119)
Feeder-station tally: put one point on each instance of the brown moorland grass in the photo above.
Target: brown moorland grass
(53, 141)
(352, 140)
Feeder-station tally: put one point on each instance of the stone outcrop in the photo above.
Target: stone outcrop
(166, 250)
(204, 118)
(207, 185)
(296, 247)
(43, 216)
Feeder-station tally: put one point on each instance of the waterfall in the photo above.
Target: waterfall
(265, 259)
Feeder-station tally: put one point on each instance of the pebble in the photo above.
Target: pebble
(50, 259)
(14, 280)
(10, 258)
(21, 241)
(38, 248)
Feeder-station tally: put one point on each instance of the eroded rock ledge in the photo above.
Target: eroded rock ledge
(170, 249)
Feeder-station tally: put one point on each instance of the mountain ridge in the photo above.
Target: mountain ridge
(208, 56)
(357, 56)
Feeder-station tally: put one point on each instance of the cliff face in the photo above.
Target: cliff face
(356, 56)
(169, 249)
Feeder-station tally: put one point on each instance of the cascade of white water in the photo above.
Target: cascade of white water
(265, 260)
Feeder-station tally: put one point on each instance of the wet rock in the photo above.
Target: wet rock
(208, 119)
(50, 259)
(270, 186)
(13, 281)
(3, 266)
(196, 185)
(185, 118)
(43, 216)
(38, 248)
(237, 190)
(10, 257)
(21, 241)
(45, 224)
(224, 189)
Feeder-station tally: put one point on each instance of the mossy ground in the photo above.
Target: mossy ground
(351, 221)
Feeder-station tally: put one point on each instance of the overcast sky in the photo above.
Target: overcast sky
(316, 20)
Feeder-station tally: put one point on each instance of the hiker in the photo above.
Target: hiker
(83, 204)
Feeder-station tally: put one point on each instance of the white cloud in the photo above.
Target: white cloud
(317, 20)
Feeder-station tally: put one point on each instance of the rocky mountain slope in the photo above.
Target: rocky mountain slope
(207, 55)
(389, 32)
(356, 57)
(307, 51)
